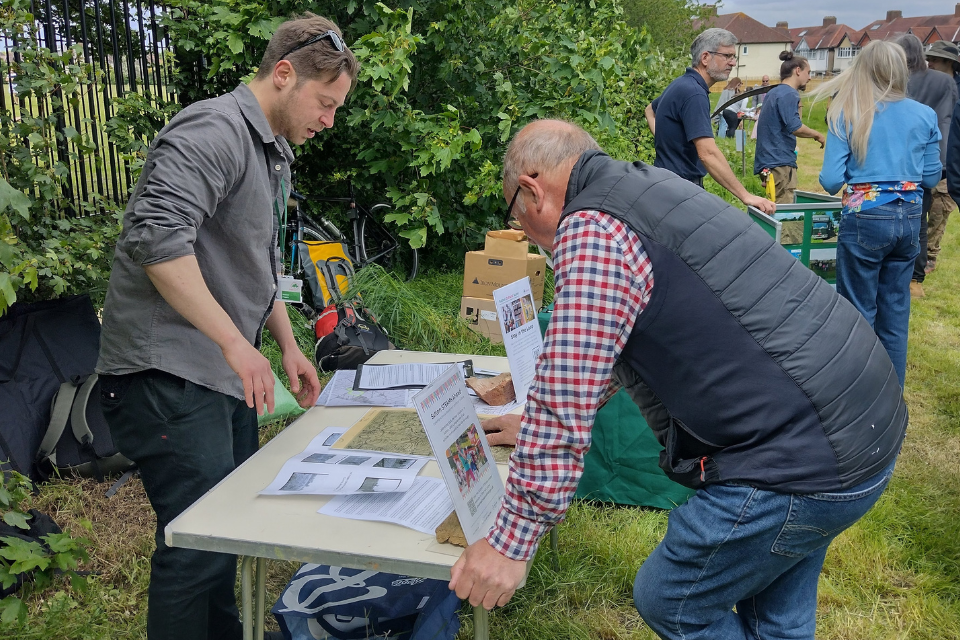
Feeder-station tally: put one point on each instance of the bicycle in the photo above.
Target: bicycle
(370, 241)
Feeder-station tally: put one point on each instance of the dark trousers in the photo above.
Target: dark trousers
(921, 262)
(733, 121)
(185, 438)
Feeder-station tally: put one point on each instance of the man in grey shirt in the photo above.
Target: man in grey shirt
(193, 286)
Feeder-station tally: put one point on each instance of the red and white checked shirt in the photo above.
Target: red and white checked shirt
(603, 281)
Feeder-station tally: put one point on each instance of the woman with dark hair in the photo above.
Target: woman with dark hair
(884, 147)
(779, 125)
(938, 91)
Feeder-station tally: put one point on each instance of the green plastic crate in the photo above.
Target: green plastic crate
(807, 229)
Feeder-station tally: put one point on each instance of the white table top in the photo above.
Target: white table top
(232, 518)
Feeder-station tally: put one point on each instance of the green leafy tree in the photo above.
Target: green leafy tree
(672, 24)
(443, 86)
(47, 248)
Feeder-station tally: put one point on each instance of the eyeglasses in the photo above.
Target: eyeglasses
(728, 56)
(335, 40)
(512, 222)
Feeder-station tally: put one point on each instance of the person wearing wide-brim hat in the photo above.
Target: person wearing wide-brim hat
(945, 56)
(942, 56)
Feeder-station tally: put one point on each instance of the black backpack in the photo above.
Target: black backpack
(48, 350)
(87, 449)
(354, 339)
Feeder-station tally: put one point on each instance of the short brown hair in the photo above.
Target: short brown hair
(320, 60)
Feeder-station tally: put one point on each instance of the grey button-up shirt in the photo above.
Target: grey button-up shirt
(210, 187)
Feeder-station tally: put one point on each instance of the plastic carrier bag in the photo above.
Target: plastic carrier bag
(327, 269)
(284, 404)
(333, 603)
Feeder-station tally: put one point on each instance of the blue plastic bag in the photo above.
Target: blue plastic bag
(333, 603)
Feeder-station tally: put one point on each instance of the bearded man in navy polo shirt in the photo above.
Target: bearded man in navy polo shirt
(680, 119)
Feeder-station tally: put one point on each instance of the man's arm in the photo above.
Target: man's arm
(304, 382)
(604, 280)
(806, 132)
(181, 284)
(718, 167)
(953, 156)
(651, 118)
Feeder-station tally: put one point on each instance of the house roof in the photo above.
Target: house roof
(747, 30)
(820, 37)
(927, 28)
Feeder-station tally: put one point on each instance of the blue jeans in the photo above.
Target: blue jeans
(876, 250)
(759, 551)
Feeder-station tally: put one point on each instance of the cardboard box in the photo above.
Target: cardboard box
(483, 272)
(481, 315)
(506, 243)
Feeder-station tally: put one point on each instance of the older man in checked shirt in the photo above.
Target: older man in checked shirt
(771, 395)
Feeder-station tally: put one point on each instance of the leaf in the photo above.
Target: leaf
(13, 610)
(13, 518)
(25, 556)
(16, 200)
(235, 42)
(9, 297)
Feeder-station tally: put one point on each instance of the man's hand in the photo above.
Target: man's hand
(304, 382)
(763, 204)
(502, 430)
(822, 139)
(255, 373)
(484, 577)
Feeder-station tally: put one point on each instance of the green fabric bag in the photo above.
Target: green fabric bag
(284, 404)
(622, 465)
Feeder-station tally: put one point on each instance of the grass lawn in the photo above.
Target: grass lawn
(894, 575)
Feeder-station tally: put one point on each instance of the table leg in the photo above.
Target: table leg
(481, 624)
(261, 597)
(246, 596)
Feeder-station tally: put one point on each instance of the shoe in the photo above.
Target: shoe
(916, 289)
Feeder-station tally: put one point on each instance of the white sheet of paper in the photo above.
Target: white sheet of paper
(462, 452)
(423, 507)
(521, 332)
(484, 409)
(339, 392)
(396, 376)
(320, 470)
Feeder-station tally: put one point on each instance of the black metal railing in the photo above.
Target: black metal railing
(124, 40)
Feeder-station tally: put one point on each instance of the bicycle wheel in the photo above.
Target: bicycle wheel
(378, 245)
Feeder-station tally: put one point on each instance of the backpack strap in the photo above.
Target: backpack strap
(59, 414)
(331, 268)
(78, 414)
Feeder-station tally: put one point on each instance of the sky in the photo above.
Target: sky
(853, 13)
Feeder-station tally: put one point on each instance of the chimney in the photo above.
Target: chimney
(708, 10)
(829, 21)
(783, 23)
(956, 9)
(893, 15)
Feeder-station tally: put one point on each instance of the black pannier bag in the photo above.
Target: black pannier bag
(353, 340)
(48, 351)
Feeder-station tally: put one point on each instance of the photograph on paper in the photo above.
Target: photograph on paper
(467, 460)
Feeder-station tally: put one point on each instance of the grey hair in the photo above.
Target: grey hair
(543, 148)
(710, 40)
(916, 61)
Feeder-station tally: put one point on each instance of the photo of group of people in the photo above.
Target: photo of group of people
(517, 313)
(467, 459)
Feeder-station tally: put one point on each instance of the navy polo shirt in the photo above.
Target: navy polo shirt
(682, 115)
(779, 118)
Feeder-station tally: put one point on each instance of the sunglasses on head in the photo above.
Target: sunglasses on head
(335, 40)
(512, 222)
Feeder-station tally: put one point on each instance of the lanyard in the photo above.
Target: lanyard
(282, 217)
